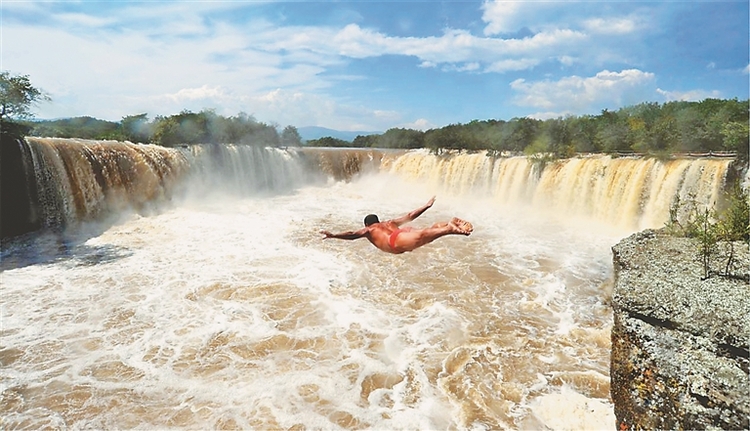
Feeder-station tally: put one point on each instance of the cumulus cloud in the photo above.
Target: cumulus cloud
(689, 96)
(454, 47)
(512, 64)
(419, 124)
(612, 26)
(575, 94)
(304, 108)
(499, 16)
(203, 92)
(468, 67)
(162, 57)
(504, 17)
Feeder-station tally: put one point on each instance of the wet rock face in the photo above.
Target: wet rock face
(679, 344)
(19, 212)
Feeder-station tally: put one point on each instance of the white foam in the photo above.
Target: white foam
(570, 410)
(237, 309)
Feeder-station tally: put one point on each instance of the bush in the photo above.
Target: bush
(714, 230)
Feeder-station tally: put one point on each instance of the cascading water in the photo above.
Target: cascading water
(246, 170)
(84, 180)
(231, 312)
(626, 192)
(80, 180)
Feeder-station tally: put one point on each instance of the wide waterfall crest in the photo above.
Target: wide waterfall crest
(80, 180)
(631, 192)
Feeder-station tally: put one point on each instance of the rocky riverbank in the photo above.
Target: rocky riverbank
(679, 344)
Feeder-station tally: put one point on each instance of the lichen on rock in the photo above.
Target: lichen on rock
(679, 343)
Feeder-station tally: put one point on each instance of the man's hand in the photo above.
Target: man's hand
(326, 233)
(430, 202)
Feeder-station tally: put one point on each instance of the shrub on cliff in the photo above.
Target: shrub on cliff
(717, 232)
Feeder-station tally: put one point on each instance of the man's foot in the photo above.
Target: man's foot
(461, 226)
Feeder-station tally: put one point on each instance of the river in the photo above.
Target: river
(228, 310)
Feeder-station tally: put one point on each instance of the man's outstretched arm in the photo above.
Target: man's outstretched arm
(414, 214)
(345, 235)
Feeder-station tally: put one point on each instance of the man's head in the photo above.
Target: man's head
(371, 219)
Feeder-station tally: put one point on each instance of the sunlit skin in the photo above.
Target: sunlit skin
(389, 237)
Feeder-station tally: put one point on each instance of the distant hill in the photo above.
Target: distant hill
(76, 127)
(313, 132)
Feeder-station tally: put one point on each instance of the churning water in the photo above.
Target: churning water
(230, 311)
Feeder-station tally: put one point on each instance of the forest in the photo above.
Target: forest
(651, 128)
(708, 126)
(205, 127)
(712, 125)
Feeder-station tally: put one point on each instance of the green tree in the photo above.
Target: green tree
(688, 122)
(519, 133)
(735, 218)
(663, 134)
(450, 137)
(328, 141)
(559, 139)
(17, 95)
(583, 134)
(290, 137)
(166, 131)
(734, 224)
(737, 138)
(708, 236)
(613, 131)
(367, 141)
(401, 138)
(193, 127)
(136, 128)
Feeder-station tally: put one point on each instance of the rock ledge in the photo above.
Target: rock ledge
(679, 344)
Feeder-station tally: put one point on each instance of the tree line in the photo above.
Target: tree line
(205, 127)
(711, 125)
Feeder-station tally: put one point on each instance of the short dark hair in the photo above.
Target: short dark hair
(371, 219)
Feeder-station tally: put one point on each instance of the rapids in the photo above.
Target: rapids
(227, 310)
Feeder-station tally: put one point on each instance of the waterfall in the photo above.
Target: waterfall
(245, 170)
(78, 180)
(84, 180)
(634, 193)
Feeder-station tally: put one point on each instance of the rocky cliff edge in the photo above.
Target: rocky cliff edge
(679, 343)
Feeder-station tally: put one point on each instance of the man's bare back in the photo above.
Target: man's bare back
(390, 237)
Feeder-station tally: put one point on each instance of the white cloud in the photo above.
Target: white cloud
(189, 94)
(746, 70)
(419, 124)
(549, 115)
(511, 64)
(499, 16)
(458, 49)
(567, 60)
(85, 20)
(575, 94)
(610, 26)
(162, 57)
(503, 17)
(468, 67)
(303, 109)
(689, 96)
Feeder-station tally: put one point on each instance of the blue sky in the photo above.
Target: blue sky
(373, 65)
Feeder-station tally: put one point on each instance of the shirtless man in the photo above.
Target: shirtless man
(391, 238)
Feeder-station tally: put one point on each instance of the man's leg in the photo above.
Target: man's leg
(455, 227)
